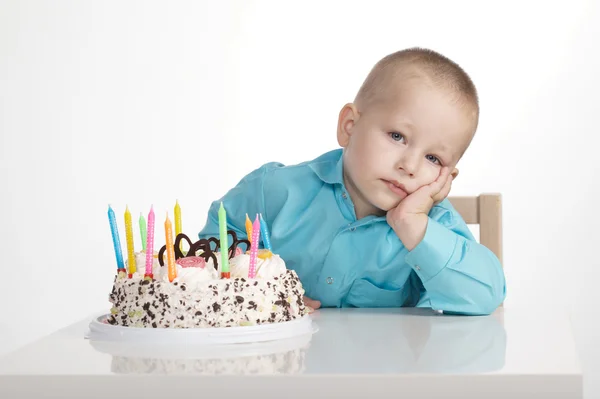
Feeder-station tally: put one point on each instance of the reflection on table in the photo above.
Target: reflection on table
(405, 340)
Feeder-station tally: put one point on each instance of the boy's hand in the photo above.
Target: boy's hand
(409, 218)
(312, 304)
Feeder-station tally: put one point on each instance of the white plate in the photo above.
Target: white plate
(100, 331)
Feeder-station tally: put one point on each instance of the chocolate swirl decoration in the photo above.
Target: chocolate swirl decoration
(204, 245)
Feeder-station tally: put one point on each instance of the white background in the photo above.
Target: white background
(142, 103)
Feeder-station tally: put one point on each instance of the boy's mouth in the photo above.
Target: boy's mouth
(396, 188)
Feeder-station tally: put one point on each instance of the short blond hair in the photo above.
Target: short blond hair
(423, 63)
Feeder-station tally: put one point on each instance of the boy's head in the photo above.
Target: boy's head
(416, 112)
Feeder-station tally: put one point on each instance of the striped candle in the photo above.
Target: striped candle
(254, 248)
(150, 244)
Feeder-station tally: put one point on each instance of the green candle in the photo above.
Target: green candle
(224, 245)
(143, 232)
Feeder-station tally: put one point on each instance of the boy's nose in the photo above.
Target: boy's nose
(409, 164)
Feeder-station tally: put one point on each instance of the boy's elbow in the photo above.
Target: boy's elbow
(497, 291)
(492, 303)
(482, 302)
(491, 300)
(492, 297)
(497, 297)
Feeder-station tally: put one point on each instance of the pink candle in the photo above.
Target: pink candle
(254, 248)
(150, 243)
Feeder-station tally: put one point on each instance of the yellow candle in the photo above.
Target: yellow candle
(170, 249)
(129, 237)
(248, 228)
(178, 222)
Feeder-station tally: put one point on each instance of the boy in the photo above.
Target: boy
(370, 225)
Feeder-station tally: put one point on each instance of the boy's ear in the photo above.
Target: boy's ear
(347, 119)
(454, 173)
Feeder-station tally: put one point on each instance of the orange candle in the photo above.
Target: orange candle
(248, 229)
(178, 231)
(170, 249)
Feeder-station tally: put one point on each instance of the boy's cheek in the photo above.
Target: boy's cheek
(432, 177)
(426, 183)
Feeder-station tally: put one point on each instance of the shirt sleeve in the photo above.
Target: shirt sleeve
(247, 197)
(459, 275)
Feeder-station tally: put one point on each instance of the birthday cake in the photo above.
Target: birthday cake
(193, 289)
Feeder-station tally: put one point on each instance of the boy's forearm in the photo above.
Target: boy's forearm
(459, 274)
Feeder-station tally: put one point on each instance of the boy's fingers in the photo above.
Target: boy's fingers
(439, 184)
(311, 303)
(439, 197)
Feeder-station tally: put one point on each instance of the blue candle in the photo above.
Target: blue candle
(115, 237)
(264, 232)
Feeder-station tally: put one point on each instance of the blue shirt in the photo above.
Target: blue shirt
(342, 261)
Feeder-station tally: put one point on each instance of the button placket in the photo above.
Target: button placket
(344, 202)
(331, 279)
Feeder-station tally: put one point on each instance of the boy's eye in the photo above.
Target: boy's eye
(433, 158)
(396, 136)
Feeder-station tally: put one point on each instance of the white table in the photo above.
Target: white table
(407, 353)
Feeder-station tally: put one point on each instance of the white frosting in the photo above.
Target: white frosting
(192, 276)
(210, 303)
(140, 263)
(198, 297)
(267, 268)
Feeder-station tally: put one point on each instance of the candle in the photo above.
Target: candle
(116, 242)
(223, 242)
(265, 233)
(254, 248)
(177, 213)
(170, 249)
(143, 232)
(248, 228)
(150, 244)
(129, 239)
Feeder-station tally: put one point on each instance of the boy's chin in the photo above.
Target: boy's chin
(386, 206)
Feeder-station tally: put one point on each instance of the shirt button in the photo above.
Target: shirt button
(353, 229)
(329, 280)
(344, 195)
(418, 267)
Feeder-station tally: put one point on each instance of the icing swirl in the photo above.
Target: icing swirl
(272, 266)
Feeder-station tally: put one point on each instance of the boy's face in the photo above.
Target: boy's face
(400, 144)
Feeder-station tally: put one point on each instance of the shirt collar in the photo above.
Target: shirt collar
(329, 168)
